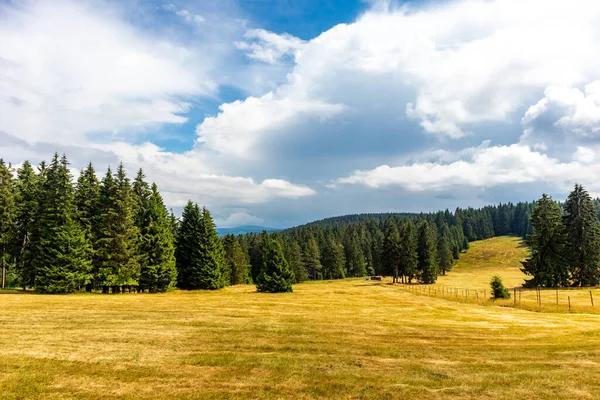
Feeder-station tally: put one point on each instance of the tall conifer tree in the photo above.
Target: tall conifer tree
(27, 197)
(426, 250)
(157, 271)
(408, 251)
(444, 250)
(187, 253)
(116, 262)
(62, 262)
(276, 275)
(333, 260)
(392, 251)
(583, 233)
(236, 261)
(7, 219)
(547, 264)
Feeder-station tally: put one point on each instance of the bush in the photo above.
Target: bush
(498, 289)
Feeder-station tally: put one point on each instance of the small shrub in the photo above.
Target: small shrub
(498, 289)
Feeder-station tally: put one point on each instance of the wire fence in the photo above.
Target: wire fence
(577, 299)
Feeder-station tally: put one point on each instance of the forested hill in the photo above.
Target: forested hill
(356, 218)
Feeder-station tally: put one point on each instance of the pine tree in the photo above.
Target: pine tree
(275, 276)
(583, 235)
(444, 251)
(311, 258)
(211, 274)
(7, 218)
(257, 250)
(547, 263)
(62, 262)
(426, 250)
(27, 196)
(236, 261)
(115, 261)
(187, 253)
(355, 261)
(157, 271)
(408, 251)
(87, 196)
(333, 260)
(293, 255)
(392, 251)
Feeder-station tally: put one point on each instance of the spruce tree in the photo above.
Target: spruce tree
(257, 249)
(187, 253)
(27, 196)
(62, 262)
(87, 196)
(583, 235)
(236, 261)
(408, 251)
(355, 261)
(392, 251)
(547, 263)
(212, 274)
(115, 263)
(157, 272)
(293, 255)
(276, 275)
(311, 258)
(444, 250)
(426, 249)
(333, 260)
(7, 219)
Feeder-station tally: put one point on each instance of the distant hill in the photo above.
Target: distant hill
(242, 230)
(355, 218)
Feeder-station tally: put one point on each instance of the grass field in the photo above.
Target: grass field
(341, 339)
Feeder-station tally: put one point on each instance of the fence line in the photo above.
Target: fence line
(568, 299)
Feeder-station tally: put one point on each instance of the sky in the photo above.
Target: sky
(280, 112)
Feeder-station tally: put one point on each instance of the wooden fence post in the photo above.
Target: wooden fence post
(556, 296)
(592, 298)
(515, 295)
(569, 297)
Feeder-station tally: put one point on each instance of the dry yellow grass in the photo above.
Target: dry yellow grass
(485, 258)
(340, 339)
(344, 339)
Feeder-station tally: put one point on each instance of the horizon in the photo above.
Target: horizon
(278, 115)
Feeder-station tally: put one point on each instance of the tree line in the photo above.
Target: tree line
(114, 235)
(565, 244)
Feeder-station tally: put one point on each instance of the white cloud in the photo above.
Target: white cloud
(454, 64)
(270, 47)
(240, 125)
(565, 114)
(185, 14)
(68, 69)
(488, 167)
(238, 219)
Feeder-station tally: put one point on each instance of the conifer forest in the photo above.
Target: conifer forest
(114, 234)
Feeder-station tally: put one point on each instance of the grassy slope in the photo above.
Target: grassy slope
(344, 339)
(485, 258)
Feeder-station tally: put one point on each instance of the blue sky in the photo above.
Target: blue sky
(282, 112)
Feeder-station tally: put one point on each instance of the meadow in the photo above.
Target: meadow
(330, 339)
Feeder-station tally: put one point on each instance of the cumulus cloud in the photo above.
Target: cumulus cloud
(565, 116)
(488, 167)
(69, 69)
(270, 47)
